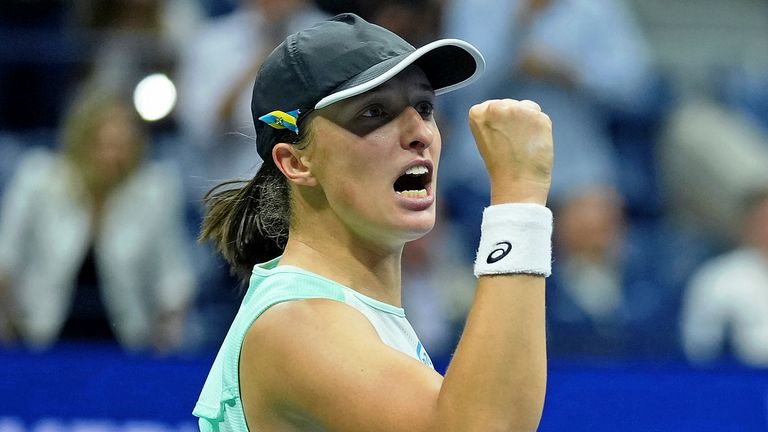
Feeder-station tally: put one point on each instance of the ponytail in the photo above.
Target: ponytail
(249, 224)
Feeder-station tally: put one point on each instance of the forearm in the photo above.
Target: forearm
(227, 107)
(497, 378)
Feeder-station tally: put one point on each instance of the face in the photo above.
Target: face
(591, 224)
(116, 144)
(757, 226)
(375, 158)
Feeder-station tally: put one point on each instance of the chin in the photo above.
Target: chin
(418, 227)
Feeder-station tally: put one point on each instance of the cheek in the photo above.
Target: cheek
(357, 189)
(358, 180)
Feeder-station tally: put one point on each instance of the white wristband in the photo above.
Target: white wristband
(515, 238)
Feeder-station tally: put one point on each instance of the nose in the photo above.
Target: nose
(416, 132)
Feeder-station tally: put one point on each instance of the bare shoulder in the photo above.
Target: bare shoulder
(306, 314)
(289, 333)
(321, 362)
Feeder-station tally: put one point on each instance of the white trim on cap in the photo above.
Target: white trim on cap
(407, 61)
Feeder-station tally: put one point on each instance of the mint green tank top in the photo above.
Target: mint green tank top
(219, 407)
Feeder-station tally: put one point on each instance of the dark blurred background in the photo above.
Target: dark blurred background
(117, 116)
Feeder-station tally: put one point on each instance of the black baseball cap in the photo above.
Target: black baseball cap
(344, 57)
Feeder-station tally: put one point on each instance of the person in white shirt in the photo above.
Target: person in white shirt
(727, 299)
(92, 241)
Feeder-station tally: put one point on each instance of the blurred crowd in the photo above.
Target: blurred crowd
(660, 188)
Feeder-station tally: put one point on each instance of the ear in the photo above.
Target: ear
(293, 164)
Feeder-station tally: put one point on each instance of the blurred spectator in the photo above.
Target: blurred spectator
(710, 157)
(91, 238)
(726, 304)
(215, 76)
(608, 294)
(581, 60)
(129, 39)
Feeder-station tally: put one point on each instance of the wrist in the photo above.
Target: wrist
(510, 193)
(515, 239)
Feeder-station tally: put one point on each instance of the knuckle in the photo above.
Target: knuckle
(544, 120)
(531, 104)
(479, 111)
(501, 107)
(476, 110)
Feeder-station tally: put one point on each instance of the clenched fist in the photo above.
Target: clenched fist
(515, 140)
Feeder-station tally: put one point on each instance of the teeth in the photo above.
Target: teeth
(421, 193)
(417, 170)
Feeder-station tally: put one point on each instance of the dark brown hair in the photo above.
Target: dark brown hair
(249, 224)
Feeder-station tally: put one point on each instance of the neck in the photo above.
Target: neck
(348, 260)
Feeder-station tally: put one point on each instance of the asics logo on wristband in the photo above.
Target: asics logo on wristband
(499, 253)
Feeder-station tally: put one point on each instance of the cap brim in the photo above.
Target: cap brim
(449, 64)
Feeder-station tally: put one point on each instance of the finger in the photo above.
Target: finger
(483, 106)
(530, 105)
(547, 119)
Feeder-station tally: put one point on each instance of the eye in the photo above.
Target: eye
(426, 109)
(373, 111)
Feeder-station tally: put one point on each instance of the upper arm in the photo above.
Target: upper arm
(18, 207)
(174, 271)
(323, 360)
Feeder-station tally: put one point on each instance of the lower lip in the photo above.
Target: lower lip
(416, 204)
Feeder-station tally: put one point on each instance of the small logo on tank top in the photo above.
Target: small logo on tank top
(421, 353)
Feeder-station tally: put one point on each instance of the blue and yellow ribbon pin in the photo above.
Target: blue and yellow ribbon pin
(282, 120)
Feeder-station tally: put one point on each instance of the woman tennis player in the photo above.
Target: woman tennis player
(345, 126)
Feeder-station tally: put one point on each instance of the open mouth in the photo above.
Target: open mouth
(415, 181)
